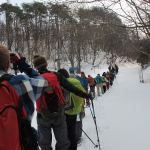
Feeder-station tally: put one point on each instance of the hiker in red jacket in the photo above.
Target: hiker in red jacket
(92, 85)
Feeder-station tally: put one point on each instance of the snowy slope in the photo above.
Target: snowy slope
(122, 113)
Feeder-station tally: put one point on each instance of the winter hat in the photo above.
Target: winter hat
(39, 61)
(71, 69)
(72, 76)
(82, 74)
(64, 72)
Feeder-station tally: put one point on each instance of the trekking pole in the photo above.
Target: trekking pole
(15, 68)
(94, 118)
(88, 136)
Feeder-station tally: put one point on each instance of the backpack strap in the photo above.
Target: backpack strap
(5, 77)
(41, 102)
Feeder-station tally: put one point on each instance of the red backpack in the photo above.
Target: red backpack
(51, 103)
(90, 80)
(15, 130)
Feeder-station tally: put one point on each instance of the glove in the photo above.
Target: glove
(16, 58)
(87, 103)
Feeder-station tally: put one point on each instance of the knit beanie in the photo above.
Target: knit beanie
(64, 72)
(71, 69)
(39, 61)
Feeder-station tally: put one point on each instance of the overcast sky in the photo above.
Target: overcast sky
(18, 2)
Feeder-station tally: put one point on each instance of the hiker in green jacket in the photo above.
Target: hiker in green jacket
(99, 80)
(71, 114)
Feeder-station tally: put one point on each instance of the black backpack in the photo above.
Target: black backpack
(69, 103)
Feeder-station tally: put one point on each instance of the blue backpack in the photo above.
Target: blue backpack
(98, 79)
(83, 81)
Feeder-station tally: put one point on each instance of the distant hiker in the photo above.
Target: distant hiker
(74, 131)
(99, 85)
(92, 85)
(113, 70)
(85, 81)
(116, 67)
(107, 81)
(109, 68)
(17, 96)
(104, 83)
(50, 107)
(111, 76)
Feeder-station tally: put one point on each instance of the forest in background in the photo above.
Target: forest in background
(62, 33)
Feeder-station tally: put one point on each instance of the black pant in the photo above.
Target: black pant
(60, 131)
(79, 126)
(104, 87)
(71, 127)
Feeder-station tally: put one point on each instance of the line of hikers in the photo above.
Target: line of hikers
(101, 82)
(59, 98)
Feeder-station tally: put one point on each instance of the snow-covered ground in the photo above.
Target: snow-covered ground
(122, 113)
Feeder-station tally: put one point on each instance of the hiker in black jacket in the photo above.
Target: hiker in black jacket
(58, 124)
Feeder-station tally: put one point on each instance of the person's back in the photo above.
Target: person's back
(57, 123)
(74, 127)
(49, 114)
(106, 78)
(28, 87)
(99, 84)
(109, 68)
(84, 83)
(92, 85)
(78, 101)
(116, 67)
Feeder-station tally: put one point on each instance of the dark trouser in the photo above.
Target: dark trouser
(116, 71)
(79, 127)
(111, 81)
(107, 85)
(82, 114)
(104, 88)
(71, 126)
(60, 132)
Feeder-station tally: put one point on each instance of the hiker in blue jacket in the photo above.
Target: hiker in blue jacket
(85, 81)
(109, 68)
(99, 80)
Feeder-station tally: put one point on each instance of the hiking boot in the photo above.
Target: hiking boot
(79, 142)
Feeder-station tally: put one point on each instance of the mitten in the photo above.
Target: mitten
(16, 58)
